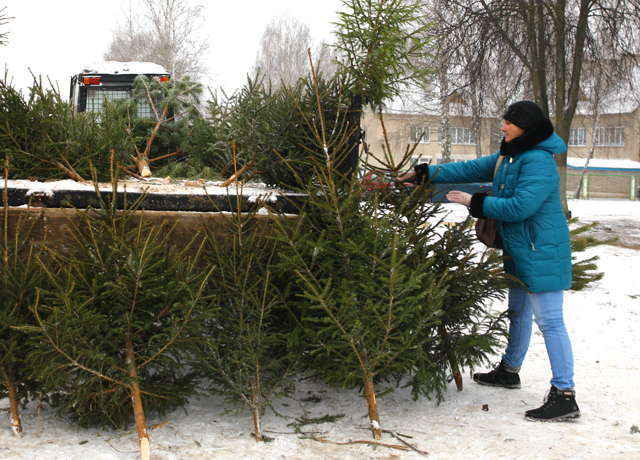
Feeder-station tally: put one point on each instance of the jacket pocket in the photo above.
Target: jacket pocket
(530, 234)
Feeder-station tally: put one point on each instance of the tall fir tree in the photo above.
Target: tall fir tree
(374, 268)
(362, 310)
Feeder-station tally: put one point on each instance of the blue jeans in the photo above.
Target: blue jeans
(547, 308)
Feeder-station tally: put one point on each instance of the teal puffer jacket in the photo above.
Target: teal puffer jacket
(527, 208)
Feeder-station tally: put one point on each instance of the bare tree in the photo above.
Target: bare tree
(474, 69)
(283, 54)
(602, 83)
(165, 32)
(550, 39)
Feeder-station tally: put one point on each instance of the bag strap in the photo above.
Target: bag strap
(497, 164)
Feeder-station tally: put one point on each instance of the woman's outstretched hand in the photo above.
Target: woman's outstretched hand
(409, 176)
(456, 196)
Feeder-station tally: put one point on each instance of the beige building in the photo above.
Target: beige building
(617, 137)
(420, 135)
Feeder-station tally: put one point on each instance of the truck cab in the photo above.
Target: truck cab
(110, 80)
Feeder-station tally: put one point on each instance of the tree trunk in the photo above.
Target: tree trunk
(255, 411)
(138, 410)
(370, 394)
(71, 174)
(445, 121)
(476, 124)
(457, 376)
(349, 165)
(14, 414)
(591, 151)
(143, 166)
(236, 176)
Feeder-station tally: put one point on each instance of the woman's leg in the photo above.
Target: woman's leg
(547, 309)
(505, 374)
(521, 323)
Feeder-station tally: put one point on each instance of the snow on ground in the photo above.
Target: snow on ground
(604, 324)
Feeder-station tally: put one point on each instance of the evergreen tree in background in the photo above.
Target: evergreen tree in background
(175, 108)
(584, 271)
(267, 129)
(48, 140)
(246, 351)
(118, 321)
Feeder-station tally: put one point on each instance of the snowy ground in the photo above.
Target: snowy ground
(604, 324)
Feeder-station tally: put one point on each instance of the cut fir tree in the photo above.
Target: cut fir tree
(117, 323)
(173, 103)
(373, 269)
(245, 352)
(364, 306)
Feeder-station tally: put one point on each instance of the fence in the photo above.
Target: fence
(622, 186)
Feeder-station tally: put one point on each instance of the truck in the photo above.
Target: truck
(111, 80)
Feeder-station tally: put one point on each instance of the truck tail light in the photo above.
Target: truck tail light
(163, 79)
(91, 81)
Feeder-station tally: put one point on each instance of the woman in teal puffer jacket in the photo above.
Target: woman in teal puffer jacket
(537, 248)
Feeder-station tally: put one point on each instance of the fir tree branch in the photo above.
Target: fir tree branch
(373, 443)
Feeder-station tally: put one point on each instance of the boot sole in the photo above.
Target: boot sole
(516, 386)
(563, 418)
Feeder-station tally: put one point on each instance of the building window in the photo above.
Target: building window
(420, 134)
(609, 137)
(419, 160)
(460, 136)
(577, 137)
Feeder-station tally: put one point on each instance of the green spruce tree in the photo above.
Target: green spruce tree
(47, 139)
(265, 130)
(383, 290)
(246, 353)
(378, 43)
(363, 304)
(117, 324)
(364, 310)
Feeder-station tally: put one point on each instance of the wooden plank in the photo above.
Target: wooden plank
(181, 227)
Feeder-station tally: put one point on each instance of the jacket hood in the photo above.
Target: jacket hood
(553, 144)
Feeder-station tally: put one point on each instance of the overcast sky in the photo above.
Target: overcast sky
(58, 38)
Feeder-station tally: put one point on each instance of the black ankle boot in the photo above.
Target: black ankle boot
(499, 377)
(559, 405)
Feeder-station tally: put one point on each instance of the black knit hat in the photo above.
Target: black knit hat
(525, 114)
